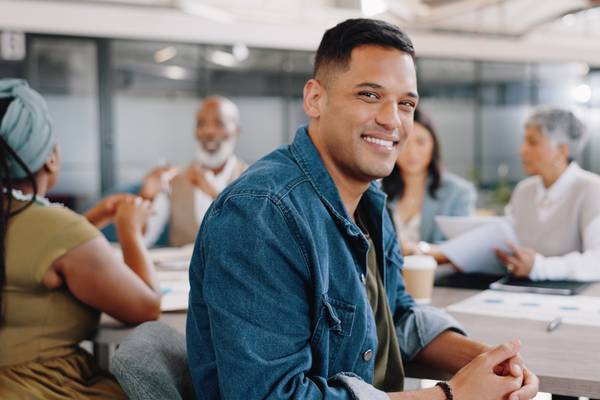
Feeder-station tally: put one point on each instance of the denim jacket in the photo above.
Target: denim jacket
(278, 306)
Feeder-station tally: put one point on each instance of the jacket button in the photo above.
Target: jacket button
(367, 355)
(363, 279)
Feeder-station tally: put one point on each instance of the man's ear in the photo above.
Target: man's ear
(52, 164)
(314, 94)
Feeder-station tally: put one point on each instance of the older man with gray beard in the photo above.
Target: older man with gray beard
(181, 197)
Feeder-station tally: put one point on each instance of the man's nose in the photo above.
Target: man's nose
(209, 132)
(388, 116)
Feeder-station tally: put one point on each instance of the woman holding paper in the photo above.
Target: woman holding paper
(57, 272)
(418, 190)
(556, 211)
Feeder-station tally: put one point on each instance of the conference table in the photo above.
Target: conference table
(567, 360)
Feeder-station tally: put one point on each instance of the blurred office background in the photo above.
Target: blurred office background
(123, 78)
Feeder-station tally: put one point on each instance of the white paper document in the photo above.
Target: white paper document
(474, 250)
(175, 289)
(176, 258)
(452, 227)
(577, 310)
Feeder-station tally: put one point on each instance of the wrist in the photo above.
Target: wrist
(128, 231)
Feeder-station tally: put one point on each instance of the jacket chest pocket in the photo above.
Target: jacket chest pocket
(333, 328)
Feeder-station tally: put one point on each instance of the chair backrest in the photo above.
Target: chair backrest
(151, 363)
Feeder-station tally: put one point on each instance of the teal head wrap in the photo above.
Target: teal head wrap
(26, 126)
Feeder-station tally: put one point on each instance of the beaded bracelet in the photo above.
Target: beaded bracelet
(447, 389)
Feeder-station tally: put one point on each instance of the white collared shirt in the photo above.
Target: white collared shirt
(218, 181)
(186, 205)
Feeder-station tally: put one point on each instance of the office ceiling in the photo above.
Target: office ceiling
(503, 18)
(494, 30)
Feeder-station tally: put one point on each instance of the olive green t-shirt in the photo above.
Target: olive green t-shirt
(389, 371)
(40, 323)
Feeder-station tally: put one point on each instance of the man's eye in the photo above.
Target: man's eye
(408, 104)
(369, 95)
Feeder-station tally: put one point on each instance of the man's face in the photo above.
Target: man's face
(215, 124)
(365, 113)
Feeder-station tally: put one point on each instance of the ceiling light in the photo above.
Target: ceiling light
(223, 58)
(582, 93)
(175, 72)
(371, 8)
(240, 51)
(194, 7)
(165, 54)
(582, 68)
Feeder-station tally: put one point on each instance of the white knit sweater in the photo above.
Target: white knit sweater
(561, 223)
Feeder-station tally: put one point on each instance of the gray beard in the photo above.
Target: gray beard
(217, 158)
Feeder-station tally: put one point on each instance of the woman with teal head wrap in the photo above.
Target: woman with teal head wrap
(57, 271)
(26, 127)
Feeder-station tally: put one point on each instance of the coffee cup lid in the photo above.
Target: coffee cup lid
(419, 262)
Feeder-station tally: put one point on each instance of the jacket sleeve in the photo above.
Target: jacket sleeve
(250, 313)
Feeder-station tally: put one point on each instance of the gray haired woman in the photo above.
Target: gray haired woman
(556, 211)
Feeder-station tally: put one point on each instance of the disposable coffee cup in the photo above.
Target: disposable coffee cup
(419, 273)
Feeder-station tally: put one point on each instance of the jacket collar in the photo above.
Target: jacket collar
(308, 158)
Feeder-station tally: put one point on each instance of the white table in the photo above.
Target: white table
(567, 360)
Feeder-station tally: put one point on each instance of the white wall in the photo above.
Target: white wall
(75, 123)
(501, 138)
(454, 122)
(160, 129)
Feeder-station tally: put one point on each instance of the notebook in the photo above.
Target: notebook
(461, 280)
(523, 285)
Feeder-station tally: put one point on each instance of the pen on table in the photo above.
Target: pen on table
(555, 323)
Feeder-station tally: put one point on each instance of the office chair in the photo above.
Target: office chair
(151, 364)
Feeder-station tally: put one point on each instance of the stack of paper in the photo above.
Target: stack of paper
(175, 288)
(175, 258)
(473, 240)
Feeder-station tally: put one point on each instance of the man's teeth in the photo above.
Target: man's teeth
(381, 142)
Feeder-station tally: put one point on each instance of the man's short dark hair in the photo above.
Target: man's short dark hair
(338, 42)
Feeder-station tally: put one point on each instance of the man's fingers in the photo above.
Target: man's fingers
(529, 389)
(516, 370)
(510, 385)
(500, 370)
(503, 352)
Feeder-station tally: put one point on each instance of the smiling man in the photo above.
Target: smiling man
(192, 191)
(296, 290)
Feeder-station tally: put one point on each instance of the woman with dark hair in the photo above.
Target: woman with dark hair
(418, 190)
(57, 272)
